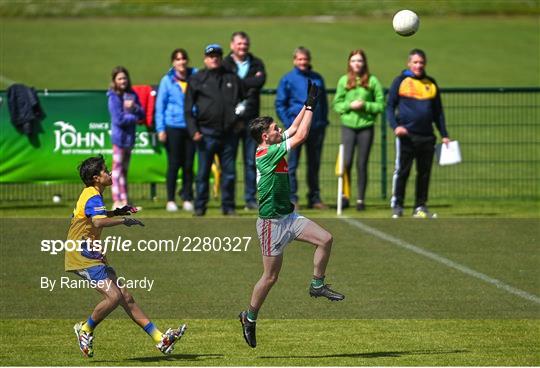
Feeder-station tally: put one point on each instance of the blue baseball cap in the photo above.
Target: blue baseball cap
(213, 48)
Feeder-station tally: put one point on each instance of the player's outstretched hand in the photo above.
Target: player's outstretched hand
(130, 221)
(124, 211)
(312, 96)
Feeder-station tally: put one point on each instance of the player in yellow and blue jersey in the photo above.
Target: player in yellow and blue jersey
(89, 218)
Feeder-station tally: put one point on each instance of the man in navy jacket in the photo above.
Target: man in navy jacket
(291, 95)
(414, 104)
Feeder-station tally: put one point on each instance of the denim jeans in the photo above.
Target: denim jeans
(225, 147)
(249, 146)
(314, 144)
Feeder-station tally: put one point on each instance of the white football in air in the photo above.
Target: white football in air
(406, 22)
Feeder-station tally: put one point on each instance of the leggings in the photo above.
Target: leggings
(180, 154)
(121, 157)
(363, 138)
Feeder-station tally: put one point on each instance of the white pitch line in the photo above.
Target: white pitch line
(6, 80)
(445, 261)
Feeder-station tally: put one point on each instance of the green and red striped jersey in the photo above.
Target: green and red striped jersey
(273, 180)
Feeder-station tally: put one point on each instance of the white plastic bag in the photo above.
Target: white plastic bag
(448, 154)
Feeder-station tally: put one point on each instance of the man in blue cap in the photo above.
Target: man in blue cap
(210, 110)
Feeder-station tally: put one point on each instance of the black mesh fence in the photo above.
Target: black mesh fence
(498, 130)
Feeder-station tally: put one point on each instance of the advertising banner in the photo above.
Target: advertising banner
(77, 126)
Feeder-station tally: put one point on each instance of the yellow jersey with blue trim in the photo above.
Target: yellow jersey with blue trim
(78, 256)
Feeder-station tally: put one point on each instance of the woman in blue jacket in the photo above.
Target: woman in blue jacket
(172, 129)
(126, 111)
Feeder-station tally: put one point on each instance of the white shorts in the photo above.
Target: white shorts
(275, 234)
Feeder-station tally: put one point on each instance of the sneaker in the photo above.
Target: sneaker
(187, 206)
(397, 212)
(423, 212)
(345, 202)
(248, 329)
(251, 206)
(169, 338)
(229, 212)
(171, 207)
(85, 340)
(360, 206)
(326, 292)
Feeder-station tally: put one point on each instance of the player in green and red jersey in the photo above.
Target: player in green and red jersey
(278, 224)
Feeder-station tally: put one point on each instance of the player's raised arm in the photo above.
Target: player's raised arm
(116, 217)
(123, 211)
(306, 114)
(296, 123)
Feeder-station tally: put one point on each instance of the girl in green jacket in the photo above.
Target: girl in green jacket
(359, 99)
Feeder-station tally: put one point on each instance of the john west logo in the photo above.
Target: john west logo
(96, 139)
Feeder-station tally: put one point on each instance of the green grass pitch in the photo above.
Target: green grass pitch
(473, 51)
(79, 53)
(401, 308)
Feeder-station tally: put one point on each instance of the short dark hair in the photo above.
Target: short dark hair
(258, 126)
(180, 51)
(90, 167)
(418, 52)
(240, 34)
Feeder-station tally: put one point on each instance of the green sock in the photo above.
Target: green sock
(317, 282)
(252, 314)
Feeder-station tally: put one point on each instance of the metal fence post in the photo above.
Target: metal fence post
(153, 191)
(384, 155)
